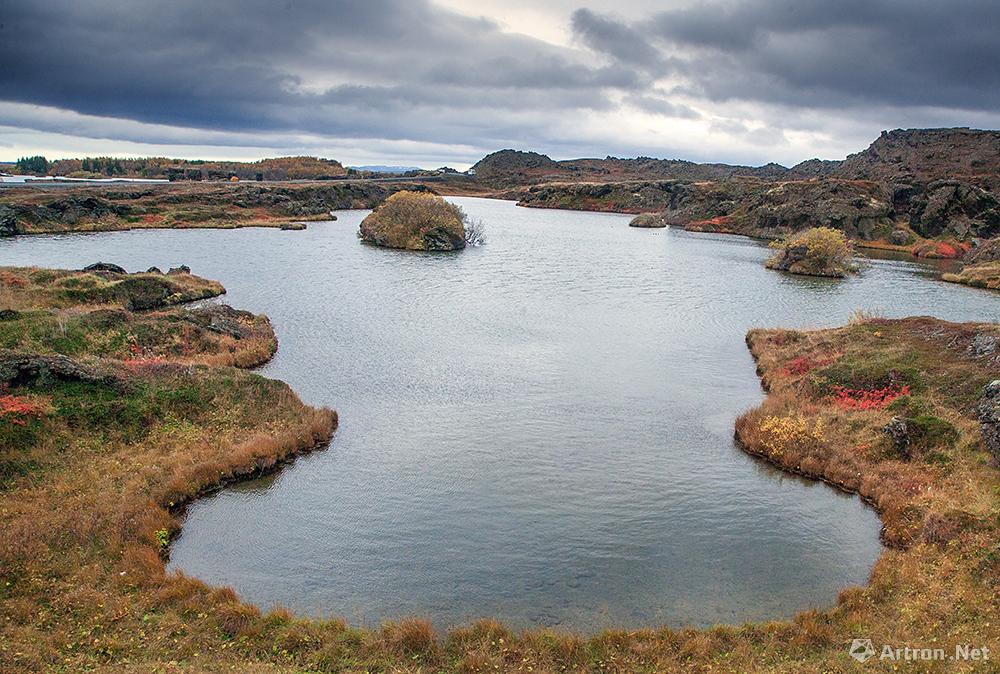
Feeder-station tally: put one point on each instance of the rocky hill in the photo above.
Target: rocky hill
(906, 155)
(924, 155)
(508, 168)
(910, 187)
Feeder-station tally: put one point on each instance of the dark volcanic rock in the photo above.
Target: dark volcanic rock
(899, 433)
(860, 210)
(182, 269)
(511, 167)
(8, 221)
(223, 319)
(950, 208)
(989, 418)
(23, 369)
(924, 155)
(141, 293)
(105, 266)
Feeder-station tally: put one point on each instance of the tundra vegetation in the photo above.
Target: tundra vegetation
(102, 446)
(419, 221)
(135, 318)
(820, 251)
(31, 210)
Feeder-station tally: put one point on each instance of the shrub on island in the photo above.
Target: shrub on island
(820, 251)
(419, 221)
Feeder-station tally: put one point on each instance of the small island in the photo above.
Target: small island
(649, 220)
(418, 221)
(819, 251)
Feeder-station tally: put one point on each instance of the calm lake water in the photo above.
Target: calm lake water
(539, 429)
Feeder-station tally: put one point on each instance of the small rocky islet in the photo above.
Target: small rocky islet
(415, 221)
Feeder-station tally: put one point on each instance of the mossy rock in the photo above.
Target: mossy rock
(649, 220)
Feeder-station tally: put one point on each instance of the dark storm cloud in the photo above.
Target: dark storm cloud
(817, 53)
(615, 38)
(336, 68)
(409, 70)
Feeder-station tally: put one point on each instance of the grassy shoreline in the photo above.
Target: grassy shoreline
(116, 453)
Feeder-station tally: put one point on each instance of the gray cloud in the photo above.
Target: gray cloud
(344, 68)
(660, 105)
(409, 71)
(611, 36)
(809, 53)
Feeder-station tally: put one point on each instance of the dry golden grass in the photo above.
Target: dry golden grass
(981, 275)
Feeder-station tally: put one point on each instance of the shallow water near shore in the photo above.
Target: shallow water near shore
(539, 429)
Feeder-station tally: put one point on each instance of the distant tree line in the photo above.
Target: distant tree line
(278, 168)
(37, 165)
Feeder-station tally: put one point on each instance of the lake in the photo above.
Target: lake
(539, 429)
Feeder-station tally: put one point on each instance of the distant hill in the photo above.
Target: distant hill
(514, 167)
(909, 155)
(277, 168)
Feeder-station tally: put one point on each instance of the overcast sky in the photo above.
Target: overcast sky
(415, 82)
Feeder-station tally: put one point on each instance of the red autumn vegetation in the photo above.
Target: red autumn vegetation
(867, 399)
(806, 364)
(18, 408)
(941, 250)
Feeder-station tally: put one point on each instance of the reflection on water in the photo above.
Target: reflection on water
(539, 429)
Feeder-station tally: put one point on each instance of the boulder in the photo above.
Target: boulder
(21, 369)
(105, 266)
(898, 431)
(650, 220)
(183, 269)
(989, 418)
(224, 320)
(983, 344)
(8, 221)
